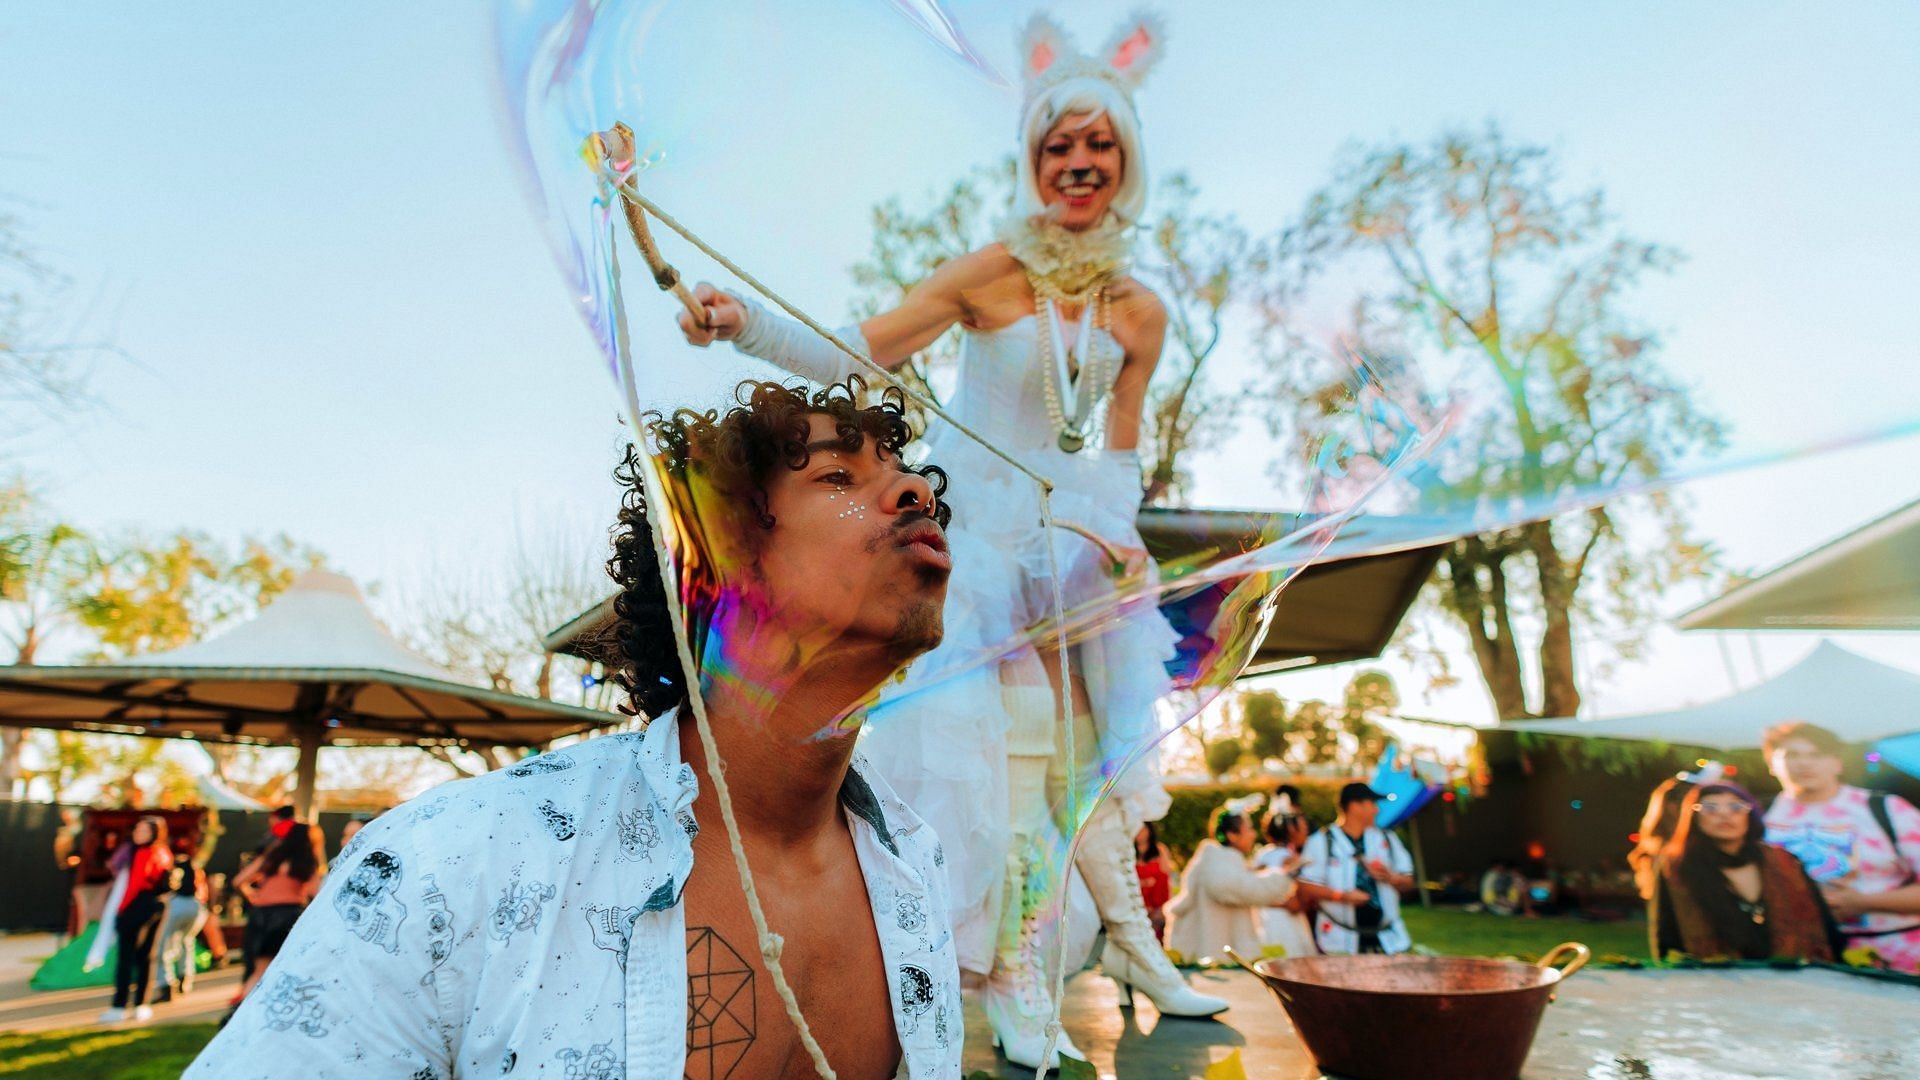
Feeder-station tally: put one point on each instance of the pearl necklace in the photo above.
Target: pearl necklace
(1092, 379)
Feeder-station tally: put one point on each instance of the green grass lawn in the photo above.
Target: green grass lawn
(1453, 932)
(154, 1052)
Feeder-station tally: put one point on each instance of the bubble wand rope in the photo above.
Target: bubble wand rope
(770, 943)
(626, 189)
(1073, 785)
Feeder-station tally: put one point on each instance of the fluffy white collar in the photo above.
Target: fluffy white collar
(1064, 264)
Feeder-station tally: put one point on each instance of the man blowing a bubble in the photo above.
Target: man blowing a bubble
(579, 914)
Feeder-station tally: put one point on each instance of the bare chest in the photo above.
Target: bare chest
(737, 1024)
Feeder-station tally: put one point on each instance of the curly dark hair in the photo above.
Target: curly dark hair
(733, 454)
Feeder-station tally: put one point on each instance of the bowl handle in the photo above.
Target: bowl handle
(1581, 954)
(1263, 977)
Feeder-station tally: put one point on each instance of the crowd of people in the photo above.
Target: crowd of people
(1828, 871)
(1280, 887)
(163, 906)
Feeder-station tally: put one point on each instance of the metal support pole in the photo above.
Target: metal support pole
(311, 736)
(1419, 863)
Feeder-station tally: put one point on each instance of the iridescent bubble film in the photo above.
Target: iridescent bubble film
(781, 136)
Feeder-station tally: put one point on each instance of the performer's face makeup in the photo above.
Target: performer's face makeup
(1079, 169)
(854, 555)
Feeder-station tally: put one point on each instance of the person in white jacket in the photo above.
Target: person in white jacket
(579, 914)
(1356, 871)
(1221, 896)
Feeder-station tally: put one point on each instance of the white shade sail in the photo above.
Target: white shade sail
(1858, 699)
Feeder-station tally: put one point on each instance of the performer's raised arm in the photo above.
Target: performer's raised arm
(890, 338)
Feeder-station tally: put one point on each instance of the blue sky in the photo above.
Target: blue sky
(340, 321)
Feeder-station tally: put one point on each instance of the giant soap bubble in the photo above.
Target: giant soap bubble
(766, 142)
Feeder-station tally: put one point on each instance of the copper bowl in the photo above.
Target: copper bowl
(1425, 1017)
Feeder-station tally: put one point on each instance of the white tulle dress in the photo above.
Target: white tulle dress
(942, 738)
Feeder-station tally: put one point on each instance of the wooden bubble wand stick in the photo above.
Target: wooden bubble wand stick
(612, 154)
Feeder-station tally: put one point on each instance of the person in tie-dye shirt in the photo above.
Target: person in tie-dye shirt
(1867, 862)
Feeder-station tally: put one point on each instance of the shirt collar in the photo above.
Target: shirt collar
(676, 785)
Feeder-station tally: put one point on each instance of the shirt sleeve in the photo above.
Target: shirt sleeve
(1239, 886)
(1313, 867)
(360, 988)
(1397, 857)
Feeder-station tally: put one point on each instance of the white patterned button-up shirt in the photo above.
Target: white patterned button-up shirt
(528, 922)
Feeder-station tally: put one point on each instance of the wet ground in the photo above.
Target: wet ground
(1606, 1025)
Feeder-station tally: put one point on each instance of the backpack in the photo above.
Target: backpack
(1877, 805)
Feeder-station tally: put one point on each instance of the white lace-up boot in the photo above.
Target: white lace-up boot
(1018, 1001)
(1133, 956)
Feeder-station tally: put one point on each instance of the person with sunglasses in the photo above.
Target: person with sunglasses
(1722, 892)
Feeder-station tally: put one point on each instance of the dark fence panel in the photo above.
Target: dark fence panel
(34, 890)
(34, 896)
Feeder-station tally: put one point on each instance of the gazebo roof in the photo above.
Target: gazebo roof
(1343, 607)
(1868, 579)
(315, 656)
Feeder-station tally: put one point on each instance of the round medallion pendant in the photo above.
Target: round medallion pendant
(1071, 441)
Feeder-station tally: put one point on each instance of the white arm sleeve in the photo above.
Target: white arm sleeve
(1238, 886)
(786, 343)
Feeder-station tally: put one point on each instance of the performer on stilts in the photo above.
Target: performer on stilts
(1058, 346)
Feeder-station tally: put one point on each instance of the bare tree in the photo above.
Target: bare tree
(1202, 264)
(41, 371)
(490, 628)
(910, 244)
(1490, 286)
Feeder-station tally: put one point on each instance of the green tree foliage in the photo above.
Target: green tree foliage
(1224, 754)
(1368, 698)
(125, 596)
(1265, 715)
(140, 596)
(1314, 732)
(1488, 287)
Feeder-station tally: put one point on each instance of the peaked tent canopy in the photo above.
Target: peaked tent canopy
(1868, 579)
(315, 667)
(1343, 607)
(1858, 699)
